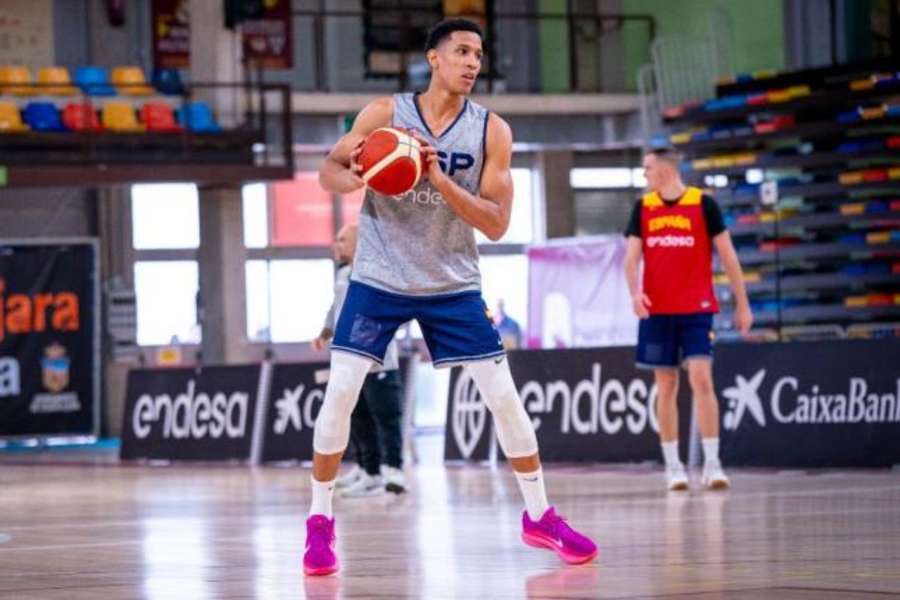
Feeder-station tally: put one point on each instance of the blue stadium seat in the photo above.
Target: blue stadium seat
(198, 117)
(94, 81)
(168, 81)
(43, 116)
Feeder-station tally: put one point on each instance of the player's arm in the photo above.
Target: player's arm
(640, 303)
(340, 173)
(489, 211)
(743, 316)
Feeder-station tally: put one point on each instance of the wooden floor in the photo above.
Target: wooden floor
(77, 531)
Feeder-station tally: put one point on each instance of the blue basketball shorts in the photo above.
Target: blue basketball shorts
(457, 327)
(665, 341)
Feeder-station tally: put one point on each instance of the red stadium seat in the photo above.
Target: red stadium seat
(81, 117)
(159, 116)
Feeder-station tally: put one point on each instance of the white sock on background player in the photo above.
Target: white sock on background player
(670, 454)
(534, 493)
(711, 451)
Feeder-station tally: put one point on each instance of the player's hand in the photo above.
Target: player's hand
(743, 318)
(319, 344)
(355, 168)
(429, 156)
(641, 305)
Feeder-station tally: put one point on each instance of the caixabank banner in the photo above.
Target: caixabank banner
(49, 380)
(295, 398)
(190, 414)
(585, 404)
(810, 404)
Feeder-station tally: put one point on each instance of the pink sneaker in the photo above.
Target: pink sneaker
(319, 558)
(552, 532)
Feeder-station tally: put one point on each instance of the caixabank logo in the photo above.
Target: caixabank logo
(765, 400)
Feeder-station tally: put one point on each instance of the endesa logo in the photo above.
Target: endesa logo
(593, 405)
(192, 415)
(23, 313)
(671, 241)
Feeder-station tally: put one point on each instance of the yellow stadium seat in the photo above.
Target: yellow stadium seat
(16, 80)
(55, 81)
(130, 81)
(120, 116)
(856, 208)
(10, 119)
(856, 301)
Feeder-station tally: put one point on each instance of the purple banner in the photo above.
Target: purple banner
(577, 294)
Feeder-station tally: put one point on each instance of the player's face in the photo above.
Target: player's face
(656, 171)
(345, 245)
(457, 61)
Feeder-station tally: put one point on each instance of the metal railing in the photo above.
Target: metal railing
(331, 44)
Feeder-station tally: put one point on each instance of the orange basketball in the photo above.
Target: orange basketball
(391, 161)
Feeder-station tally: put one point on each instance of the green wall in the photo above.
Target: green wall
(757, 26)
(554, 47)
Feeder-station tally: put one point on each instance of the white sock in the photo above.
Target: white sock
(670, 454)
(322, 493)
(711, 451)
(532, 487)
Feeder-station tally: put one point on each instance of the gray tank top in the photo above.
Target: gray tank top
(415, 244)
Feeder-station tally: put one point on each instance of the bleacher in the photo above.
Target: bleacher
(118, 116)
(828, 253)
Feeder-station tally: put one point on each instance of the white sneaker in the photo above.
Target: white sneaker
(676, 478)
(349, 478)
(394, 479)
(367, 485)
(714, 478)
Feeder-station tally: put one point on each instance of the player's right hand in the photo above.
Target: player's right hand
(355, 168)
(641, 305)
(319, 344)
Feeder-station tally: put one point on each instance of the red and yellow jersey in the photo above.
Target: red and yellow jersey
(677, 250)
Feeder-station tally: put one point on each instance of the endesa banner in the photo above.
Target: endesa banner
(810, 404)
(295, 397)
(798, 404)
(585, 405)
(190, 414)
(49, 381)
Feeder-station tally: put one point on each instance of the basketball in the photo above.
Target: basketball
(391, 161)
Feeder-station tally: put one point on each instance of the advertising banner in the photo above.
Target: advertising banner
(810, 404)
(585, 405)
(49, 380)
(171, 23)
(295, 398)
(190, 414)
(269, 41)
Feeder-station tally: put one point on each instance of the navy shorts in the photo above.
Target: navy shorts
(456, 327)
(665, 341)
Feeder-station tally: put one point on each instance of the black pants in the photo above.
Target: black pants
(376, 422)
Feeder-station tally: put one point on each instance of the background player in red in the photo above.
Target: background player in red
(674, 228)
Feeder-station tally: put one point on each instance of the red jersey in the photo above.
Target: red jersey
(677, 251)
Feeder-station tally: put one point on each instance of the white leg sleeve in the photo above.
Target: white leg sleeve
(332, 432)
(514, 428)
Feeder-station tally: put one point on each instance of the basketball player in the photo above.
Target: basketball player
(675, 228)
(417, 259)
(375, 424)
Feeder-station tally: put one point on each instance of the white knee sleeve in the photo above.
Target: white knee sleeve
(514, 428)
(332, 431)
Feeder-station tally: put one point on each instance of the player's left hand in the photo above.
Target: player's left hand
(429, 155)
(743, 318)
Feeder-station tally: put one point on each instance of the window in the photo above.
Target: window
(287, 300)
(166, 294)
(607, 178)
(505, 278)
(521, 221)
(256, 214)
(165, 216)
